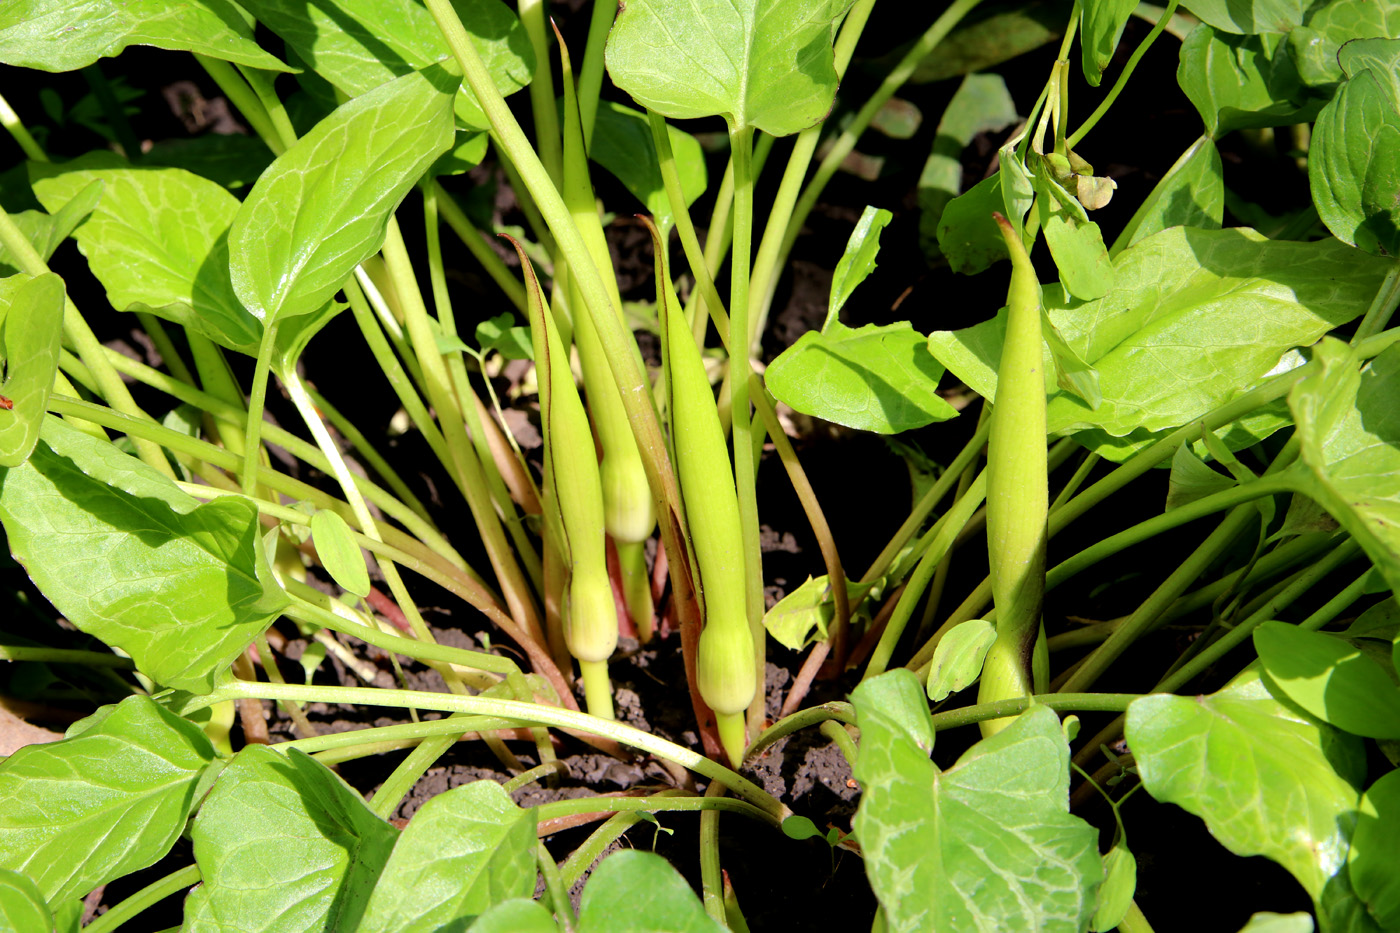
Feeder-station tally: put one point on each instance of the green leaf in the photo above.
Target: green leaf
(46, 232)
(1314, 47)
(995, 32)
(622, 144)
(179, 585)
(761, 63)
(639, 892)
(1330, 678)
(957, 661)
(872, 378)
(1349, 430)
(516, 916)
(65, 35)
(1192, 479)
(1248, 17)
(158, 242)
(1354, 164)
(1119, 885)
(967, 235)
(463, 852)
(502, 334)
(1074, 240)
(322, 207)
(1375, 851)
(858, 261)
(802, 616)
(32, 311)
(1279, 923)
(340, 555)
(989, 844)
(1194, 317)
(22, 907)
(1191, 194)
(1100, 28)
(359, 45)
(1266, 780)
(1232, 80)
(982, 104)
(283, 844)
(230, 160)
(1380, 621)
(83, 811)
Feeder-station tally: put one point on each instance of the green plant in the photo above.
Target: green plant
(1257, 365)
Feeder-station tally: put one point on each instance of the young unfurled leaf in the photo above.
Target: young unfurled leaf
(110, 800)
(1330, 678)
(1074, 240)
(1119, 885)
(1294, 804)
(340, 555)
(181, 586)
(462, 852)
(32, 312)
(65, 35)
(282, 843)
(993, 830)
(767, 64)
(872, 378)
(858, 261)
(801, 617)
(359, 45)
(323, 206)
(1192, 479)
(957, 661)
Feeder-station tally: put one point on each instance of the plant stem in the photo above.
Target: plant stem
(802, 719)
(1122, 81)
(706, 804)
(1378, 314)
(64, 656)
(741, 149)
(513, 710)
(252, 430)
(542, 107)
(943, 535)
(838, 734)
(385, 735)
(554, 888)
(12, 123)
(582, 858)
(146, 897)
(711, 872)
(1059, 702)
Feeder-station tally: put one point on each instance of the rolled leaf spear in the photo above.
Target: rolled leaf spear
(1017, 495)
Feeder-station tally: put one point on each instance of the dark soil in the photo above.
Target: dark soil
(864, 489)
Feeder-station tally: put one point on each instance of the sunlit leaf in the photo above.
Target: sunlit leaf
(32, 312)
(78, 813)
(639, 892)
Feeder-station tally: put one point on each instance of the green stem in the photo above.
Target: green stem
(514, 710)
(242, 96)
(526, 778)
(1059, 702)
(370, 455)
(574, 806)
(542, 106)
(398, 784)
(261, 83)
(12, 123)
(844, 143)
(1378, 314)
(386, 735)
(582, 858)
(149, 895)
(838, 734)
(64, 656)
(942, 537)
(1149, 613)
(802, 719)
(711, 872)
(554, 888)
(741, 148)
(590, 76)
(252, 430)
(475, 242)
(1122, 81)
